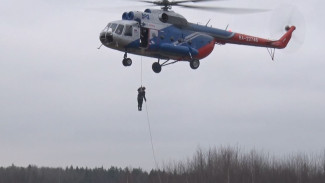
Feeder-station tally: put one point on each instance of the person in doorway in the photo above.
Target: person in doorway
(141, 96)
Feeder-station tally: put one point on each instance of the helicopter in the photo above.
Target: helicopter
(166, 35)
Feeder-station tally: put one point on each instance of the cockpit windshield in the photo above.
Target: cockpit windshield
(128, 30)
(112, 27)
(119, 29)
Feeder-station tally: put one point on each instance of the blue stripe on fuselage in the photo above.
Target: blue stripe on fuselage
(182, 36)
(194, 36)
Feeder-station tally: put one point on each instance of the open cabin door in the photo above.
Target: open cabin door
(148, 38)
(144, 37)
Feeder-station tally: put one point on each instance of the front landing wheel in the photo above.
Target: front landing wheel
(195, 64)
(156, 67)
(127, 62)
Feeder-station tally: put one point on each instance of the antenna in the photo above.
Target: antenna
(227, 27)
(208, 22)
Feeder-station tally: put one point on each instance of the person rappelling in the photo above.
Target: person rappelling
(141, 96)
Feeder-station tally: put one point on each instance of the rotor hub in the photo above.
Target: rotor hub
(287, 28)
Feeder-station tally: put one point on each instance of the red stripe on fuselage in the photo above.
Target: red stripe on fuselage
(206, 50)
(248, 40)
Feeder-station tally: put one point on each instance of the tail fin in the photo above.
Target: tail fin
(284, 40)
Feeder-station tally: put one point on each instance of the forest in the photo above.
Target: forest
(215, 165)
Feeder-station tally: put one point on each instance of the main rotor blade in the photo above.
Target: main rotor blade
(195, 1)
(225, 9)
(192, 1)
(163, 2)
(151, 2)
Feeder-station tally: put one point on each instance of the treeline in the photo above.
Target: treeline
(216, 165)
(34, 174)
(231, 165)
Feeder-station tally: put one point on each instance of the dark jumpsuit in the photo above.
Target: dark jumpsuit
(141, 96)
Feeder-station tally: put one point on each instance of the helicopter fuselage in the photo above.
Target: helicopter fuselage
(167, 35)
(154, 38)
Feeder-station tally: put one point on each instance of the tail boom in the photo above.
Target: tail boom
(243, 39)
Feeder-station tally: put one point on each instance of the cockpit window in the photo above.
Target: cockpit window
(119, 29)
(128, 30)
(112, 28)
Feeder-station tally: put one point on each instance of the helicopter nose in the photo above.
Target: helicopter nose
(106, 37)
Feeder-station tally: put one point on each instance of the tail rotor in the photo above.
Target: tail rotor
(282, 19)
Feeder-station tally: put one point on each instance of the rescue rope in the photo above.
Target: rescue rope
(152, 146)
(150, 133)
(141, 71)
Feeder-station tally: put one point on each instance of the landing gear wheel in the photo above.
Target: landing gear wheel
(195, 64)
(156, 67)
(127, 62)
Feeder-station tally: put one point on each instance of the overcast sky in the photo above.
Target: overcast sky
(64, 102)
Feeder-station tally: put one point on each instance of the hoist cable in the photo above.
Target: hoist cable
(152, 146)
(141, 72)
(150, 133)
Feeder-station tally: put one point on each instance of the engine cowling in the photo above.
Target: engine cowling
(163, 17)
(173, 18)
(132, 15)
